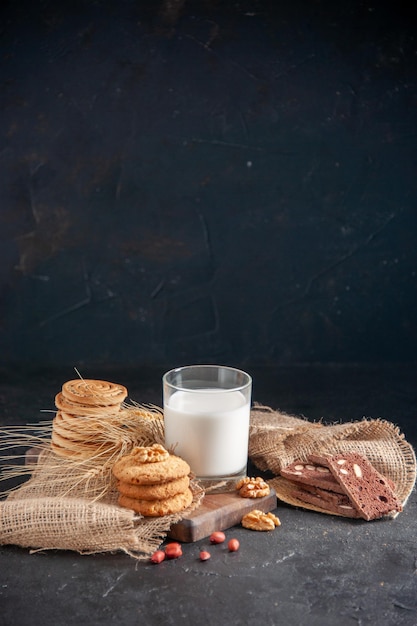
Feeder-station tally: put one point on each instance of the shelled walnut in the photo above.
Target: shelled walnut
(258, 520)
(252, 487)
(150, 454)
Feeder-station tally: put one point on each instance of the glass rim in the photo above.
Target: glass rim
(175, 370)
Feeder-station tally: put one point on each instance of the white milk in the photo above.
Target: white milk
(209, 429)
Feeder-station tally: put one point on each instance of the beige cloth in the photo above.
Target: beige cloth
(72, 505)
(278, 439)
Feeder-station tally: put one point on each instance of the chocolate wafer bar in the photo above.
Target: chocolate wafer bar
(368, 490)
(310, 473)
(328, 501)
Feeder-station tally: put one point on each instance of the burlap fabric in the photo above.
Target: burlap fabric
(277, 439)
(72, 505)
(81, 524)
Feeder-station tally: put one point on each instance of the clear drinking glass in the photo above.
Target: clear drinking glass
(206, 417)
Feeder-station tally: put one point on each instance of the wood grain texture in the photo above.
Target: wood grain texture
(218, 512)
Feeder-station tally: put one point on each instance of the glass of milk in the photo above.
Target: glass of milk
(206, 417)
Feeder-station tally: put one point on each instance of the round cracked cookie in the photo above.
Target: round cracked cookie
(158, 508)
(160, 491)
(150, 465)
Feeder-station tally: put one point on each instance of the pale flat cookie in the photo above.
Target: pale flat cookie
(80, 408)
(84, 426)
(129, 470)
(75, 432)
(158, 491)
(84, 449)
(95, 392)
(69, 454)
(158, 508)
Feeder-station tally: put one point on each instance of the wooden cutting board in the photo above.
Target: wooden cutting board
(218, 512)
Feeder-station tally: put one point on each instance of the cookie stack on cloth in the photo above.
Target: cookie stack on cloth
(153, 482)
(343, 484)
(77, 428)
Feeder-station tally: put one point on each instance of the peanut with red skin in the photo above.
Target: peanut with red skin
(233, 545)
(173, 550)
(217, 537)
(158, 556)
(204, 555)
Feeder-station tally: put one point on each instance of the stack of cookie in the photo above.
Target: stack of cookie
(153, 482)
(343, 484)
(77, 431)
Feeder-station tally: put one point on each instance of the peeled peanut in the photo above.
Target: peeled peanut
(158, 556)
(173, 550)
(233, 545)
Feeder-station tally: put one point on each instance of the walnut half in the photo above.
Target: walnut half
(252, 487)
(150, 454)
(258, 520)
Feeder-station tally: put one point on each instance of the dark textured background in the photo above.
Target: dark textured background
(226, 182)
(217, 181)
